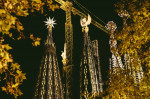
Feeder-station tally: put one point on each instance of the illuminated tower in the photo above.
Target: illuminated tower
(97, 63)
(135, 70)
(49, 84)
(115, 60)
(90, 75)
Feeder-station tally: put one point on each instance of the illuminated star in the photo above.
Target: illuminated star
(50, 22)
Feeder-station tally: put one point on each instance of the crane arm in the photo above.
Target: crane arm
(75, 11)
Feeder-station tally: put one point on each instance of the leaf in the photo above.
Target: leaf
(19, 72)
(38, 39)
(11, 91)
(31, 36)
(10, 34)
(1, 66)
(19, 26)
(20, 93)
(3, 88)
(15, 85)
(36, 43)
(1, 23)
(8, 47)
(24, 77)
(19, 38)
(2, 11)
(50, 1)
(15, 66)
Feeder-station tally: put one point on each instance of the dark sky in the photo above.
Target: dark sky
(29, 57)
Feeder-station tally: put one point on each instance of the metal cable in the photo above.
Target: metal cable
(88, 11)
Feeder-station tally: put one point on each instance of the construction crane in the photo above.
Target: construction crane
(67, 69)
(77, 12)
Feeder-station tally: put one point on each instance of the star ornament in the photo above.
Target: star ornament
(50, 22)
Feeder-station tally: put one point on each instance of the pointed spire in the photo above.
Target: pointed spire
(50, 24)
(124, 14)
(90, 79)
(85, 29)
(138, 72)
(115, 60)
(113, 43)
(49, 84)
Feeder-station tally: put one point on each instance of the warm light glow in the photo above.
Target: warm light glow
(111, 25)
(64, 52)
(50, 22)
(85, 22)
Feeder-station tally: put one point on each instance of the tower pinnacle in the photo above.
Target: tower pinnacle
(49, 85)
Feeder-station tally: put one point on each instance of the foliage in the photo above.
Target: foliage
(122, 86)
(135, 36)
(119, 86)
(11, 75)
(134, 39)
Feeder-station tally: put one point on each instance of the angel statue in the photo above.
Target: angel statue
(85, 22)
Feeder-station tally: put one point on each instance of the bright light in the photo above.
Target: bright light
(50, 22)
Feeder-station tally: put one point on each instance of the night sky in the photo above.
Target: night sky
(29, 57)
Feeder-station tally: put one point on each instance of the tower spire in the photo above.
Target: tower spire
(90, 78)
(136, 71)
(50, 24)
(49, 85)
(115, 60)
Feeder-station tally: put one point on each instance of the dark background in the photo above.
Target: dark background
(29, 57)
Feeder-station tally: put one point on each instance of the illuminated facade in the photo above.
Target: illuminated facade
(68, 65)
(135, 71)
(49, 85)
(90, 74)
(115, 60)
